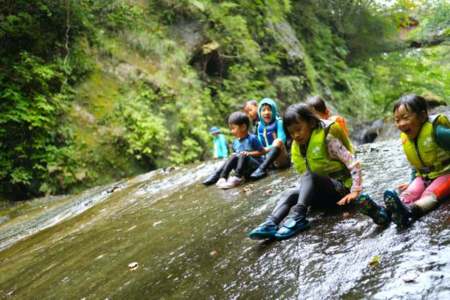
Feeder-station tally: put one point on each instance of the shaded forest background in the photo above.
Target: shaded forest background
(92, 91)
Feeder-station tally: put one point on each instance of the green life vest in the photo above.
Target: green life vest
(317, 159)
(424, 154)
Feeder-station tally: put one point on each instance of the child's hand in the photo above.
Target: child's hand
(402, 186)
(348, 198)
(244, 153)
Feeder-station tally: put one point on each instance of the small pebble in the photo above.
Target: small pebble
(410, 277)
(268, 192)
(346, 215)
(133, 266)
(247, 190)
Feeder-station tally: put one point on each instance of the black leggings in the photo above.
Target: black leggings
(313, 190)
(243, 166)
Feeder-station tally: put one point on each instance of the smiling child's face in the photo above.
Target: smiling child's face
(300, 131)
(266, 114)
(408, 122)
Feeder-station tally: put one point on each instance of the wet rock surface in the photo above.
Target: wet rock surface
(185, 240)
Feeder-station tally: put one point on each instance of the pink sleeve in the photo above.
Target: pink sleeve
(337, 150)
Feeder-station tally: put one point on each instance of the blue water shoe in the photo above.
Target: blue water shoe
(291, 227)
(266, 230)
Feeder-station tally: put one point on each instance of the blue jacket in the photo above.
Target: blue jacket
(267, 133)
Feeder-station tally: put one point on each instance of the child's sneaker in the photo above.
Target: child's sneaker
(266, 230)
(291, 227)
(211, 179)
(258, 174)
(232, 182)
(401, 214)
(367, 206)
(221, 183)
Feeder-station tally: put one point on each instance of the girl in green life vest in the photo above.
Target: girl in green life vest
(330, 176)
(426, 145)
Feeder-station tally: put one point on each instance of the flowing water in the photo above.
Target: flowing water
(163, 235)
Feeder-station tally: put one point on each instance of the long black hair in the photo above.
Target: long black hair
(300, 111)
(412, 103)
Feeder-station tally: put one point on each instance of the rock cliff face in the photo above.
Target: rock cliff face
(187, 241)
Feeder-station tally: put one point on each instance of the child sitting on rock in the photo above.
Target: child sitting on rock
(251, 109)
(271, 134)
(246, 157)
(220, 149)
(426, 143)
(330, 174)
(321, 109)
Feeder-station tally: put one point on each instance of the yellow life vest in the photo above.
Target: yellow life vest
(424, 154)
(317, 159)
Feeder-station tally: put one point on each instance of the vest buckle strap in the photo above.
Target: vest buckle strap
(340, 174)
(426, 170)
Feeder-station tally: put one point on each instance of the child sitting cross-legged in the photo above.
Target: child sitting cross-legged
(246, 157)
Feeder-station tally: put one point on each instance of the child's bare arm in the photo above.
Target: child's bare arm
(253, 153)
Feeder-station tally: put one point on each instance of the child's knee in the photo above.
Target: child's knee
(409, 196)
(440, 187)
(278, 143)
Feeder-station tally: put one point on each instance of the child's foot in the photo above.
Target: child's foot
(266, 230)
(213, 178)
(290, 228)
(401, 214)
(221, 183)
(258, 174)
(367, 206)
(232, 182)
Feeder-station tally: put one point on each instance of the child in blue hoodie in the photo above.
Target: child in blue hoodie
(271, 134)
(220, 149)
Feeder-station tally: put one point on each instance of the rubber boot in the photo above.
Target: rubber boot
(262, 169)
(368, 207)
(423, 205)
(213, 178)
(401, 214)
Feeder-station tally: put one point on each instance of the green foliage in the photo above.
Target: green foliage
(113, 16)
(423, 72)
(434, 20)
(37, 67)
(146, 133)
(364, 26)
(32, 100)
